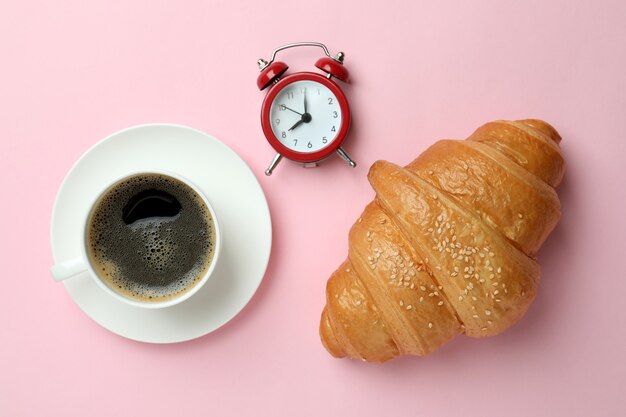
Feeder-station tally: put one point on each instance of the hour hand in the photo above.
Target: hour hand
(298, 123)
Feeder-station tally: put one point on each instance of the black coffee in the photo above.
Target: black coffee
(151, 237)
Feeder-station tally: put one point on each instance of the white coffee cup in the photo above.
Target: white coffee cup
(80, 264)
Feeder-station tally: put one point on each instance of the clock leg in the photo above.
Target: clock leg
(345, 156)
(273, 164)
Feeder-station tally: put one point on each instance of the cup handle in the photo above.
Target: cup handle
(68, 269)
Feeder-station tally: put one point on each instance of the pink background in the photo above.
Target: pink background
(72, 72)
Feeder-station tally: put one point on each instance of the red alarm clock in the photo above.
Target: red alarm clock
(305, 116)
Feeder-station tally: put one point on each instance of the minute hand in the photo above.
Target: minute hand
(296, 112)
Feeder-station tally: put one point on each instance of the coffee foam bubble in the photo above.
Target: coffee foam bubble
(157, 258)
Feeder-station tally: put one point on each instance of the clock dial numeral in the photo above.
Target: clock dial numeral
(277, 121)
(333, 129)
(290, 94)
(324, 140)
(295, 142)
(335, 115)
(309, 145)
(284, 134)
(330, 100)
(282, 107)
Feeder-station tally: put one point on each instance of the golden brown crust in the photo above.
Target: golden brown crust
(349, 312)
(530, 144)
(447, 247)
(474, 174)
(408, 298)
(469, 259)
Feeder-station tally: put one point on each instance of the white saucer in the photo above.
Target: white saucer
(233, 191)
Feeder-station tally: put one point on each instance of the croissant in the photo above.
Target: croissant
(448, 245)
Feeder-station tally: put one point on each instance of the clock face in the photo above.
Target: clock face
(305, 116)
